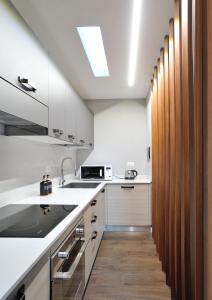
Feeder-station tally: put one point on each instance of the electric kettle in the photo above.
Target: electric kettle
(130, 174)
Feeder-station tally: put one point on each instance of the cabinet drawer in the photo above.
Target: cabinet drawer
(90, 254)
(126, 191)
(21, 54)
(128, 205)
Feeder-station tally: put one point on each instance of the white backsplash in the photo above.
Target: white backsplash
(23, 163)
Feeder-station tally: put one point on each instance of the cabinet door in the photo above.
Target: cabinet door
(89, 120)
(21, 54)
(39, 288)
(90, 254)
(71, 115)
(17, 103)
(57, 100)
(128, 205)
(81, 123)
(94, 226)
(85, 125)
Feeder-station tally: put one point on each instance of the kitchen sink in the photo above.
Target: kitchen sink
(81, 185)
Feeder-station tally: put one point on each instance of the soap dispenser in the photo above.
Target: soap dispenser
(43, 186)
(49, 184)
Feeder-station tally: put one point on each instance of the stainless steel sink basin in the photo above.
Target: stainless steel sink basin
(81, 185)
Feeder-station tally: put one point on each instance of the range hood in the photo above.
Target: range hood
(11, 125)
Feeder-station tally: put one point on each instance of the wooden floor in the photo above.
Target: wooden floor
(127, 268)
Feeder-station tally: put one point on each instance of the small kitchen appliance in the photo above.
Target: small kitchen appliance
(131, 174)
(96, 172)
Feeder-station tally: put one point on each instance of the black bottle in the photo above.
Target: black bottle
(43, 186)
(49, 184)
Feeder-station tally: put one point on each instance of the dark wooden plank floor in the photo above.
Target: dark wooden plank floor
(127, 268)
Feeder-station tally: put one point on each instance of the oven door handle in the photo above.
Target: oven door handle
(68, 275)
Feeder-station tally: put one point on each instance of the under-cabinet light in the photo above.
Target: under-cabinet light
(135, 29)
(92, 42)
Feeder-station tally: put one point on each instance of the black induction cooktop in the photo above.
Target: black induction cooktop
(31, 221)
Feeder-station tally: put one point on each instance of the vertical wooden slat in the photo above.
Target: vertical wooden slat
(172, 273)
(197, 205)
(207, 137)
(166, 152)
(178, 153)
(188, 146)
(155, 156)
(161, 156)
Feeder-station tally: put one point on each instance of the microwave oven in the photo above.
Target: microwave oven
(96, 172)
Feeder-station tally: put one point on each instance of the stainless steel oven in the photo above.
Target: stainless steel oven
(68, 267)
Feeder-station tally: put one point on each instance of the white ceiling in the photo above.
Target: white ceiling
(55, 22)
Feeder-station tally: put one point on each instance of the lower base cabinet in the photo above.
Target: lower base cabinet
(128, 205)
(39, 288)
(94, 218)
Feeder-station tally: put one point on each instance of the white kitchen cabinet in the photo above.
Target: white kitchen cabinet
(69, 118)
(21, 54)
(89, 121)
(71, 104)
(85, 125)
(94, 219)
(81, 123)
(128, 204)
(15, 102)
(57, 101)
(39, 288)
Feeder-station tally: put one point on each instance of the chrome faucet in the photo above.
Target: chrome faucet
(62, 170)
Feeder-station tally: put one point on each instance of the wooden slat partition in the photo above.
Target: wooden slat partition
(177, 154)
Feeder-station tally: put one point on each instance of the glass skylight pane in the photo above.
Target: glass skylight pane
(92, 42)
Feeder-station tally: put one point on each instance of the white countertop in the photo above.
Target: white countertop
(19, 255)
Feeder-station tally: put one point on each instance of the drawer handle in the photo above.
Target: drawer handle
(71, 137)
(27, 84)
(128, 187)
(93, 203)
(94, 235)
(57, 131)
(21, 293)
(93, 220)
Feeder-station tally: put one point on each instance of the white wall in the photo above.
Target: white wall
(24, 162)
(120, 135)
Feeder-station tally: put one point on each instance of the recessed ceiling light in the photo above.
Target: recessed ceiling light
(135, 29)
(92, 42)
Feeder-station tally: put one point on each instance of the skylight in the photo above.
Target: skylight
(91, 38)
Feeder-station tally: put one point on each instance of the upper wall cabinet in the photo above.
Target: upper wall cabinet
(84, 125)
(69, 118)
(71, 105)
(25, 66)
(57, 100)
(23, 62)
(89, 129)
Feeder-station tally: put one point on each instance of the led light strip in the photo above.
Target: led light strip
(135, 30)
